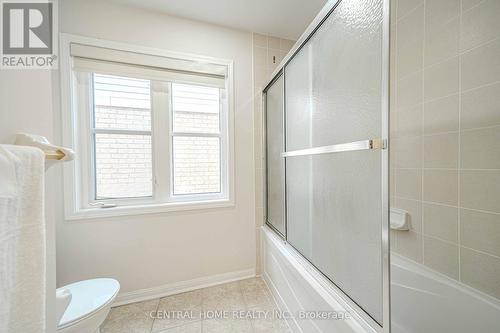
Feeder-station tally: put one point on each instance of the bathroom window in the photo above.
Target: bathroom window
(121, 137)
(196, 140)
(148, 138)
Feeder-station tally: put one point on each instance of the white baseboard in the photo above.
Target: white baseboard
(182, 286)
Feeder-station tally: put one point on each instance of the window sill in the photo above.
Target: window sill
(131, 210)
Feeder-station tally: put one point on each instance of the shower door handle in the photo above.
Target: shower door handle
(371, 144)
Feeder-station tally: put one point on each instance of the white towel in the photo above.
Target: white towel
(22, 240)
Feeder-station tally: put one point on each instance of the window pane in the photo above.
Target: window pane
(122, 103)
(123, 166)
(196, 165)
(196, 108)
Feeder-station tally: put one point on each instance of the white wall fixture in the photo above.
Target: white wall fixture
(52, 152)
(399, 219)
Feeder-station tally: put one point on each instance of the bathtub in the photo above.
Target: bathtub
(423, 301)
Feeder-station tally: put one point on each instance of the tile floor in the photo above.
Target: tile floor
(195, 312)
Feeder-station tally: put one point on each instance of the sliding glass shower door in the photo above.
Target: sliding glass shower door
(336, 165)
(275, 185)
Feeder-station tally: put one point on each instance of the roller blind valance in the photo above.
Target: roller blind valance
(147, 66)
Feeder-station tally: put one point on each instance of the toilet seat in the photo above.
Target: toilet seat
(88, 297)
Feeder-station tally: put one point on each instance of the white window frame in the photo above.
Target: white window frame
(222, 152)
(76, 125)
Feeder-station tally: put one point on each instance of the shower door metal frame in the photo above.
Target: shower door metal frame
(385, 245)
(281, 73)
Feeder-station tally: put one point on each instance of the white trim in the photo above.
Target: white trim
(71, 136)
(182, 286)
(223, 157)
(153, 208)
(161, 96)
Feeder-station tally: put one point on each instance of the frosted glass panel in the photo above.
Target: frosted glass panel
(334, 214)
(334, 83)
(275, 162)
(334, 201)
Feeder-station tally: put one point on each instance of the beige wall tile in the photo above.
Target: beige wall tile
(409, 244)
(258, 150)
(481, 107)
(480, 231)
(260, 77)
(441, 186)
(393, 118)
(441, 222)
(441, 80)
(481, 65)
(393, 11)
(461, 49)
(409, 121)
(408, 152)
(480, 271)
(259, 216)
(409, 183)
(410, 28)
(480, 148)
(480, 189)
(441, 42)
(259, 178)
(410, 58)
(260, 40)
(438, 12)
(257, 113)
(441, 256)
(441, 151)
(393, 53)
(441, 115)
(409, 90)
(273, 57)
(468, 4)
(259, 57)
(392, 182)
(480, 24)
(286, 44)
(410, 40)
(270, 70)
(414, 209)
(406, 6)
(393, 238)
(283, 55)
(273, 42)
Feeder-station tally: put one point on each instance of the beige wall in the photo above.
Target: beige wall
(153, 250)
(445, 127)
(268, 52)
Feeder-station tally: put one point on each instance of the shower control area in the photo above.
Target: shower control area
(326, 128)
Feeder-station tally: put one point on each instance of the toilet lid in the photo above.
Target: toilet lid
(87, 297)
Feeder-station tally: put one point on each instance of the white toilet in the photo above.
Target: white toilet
(83, 306)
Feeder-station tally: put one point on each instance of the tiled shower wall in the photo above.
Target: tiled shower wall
(268, 52)
(445, 127)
